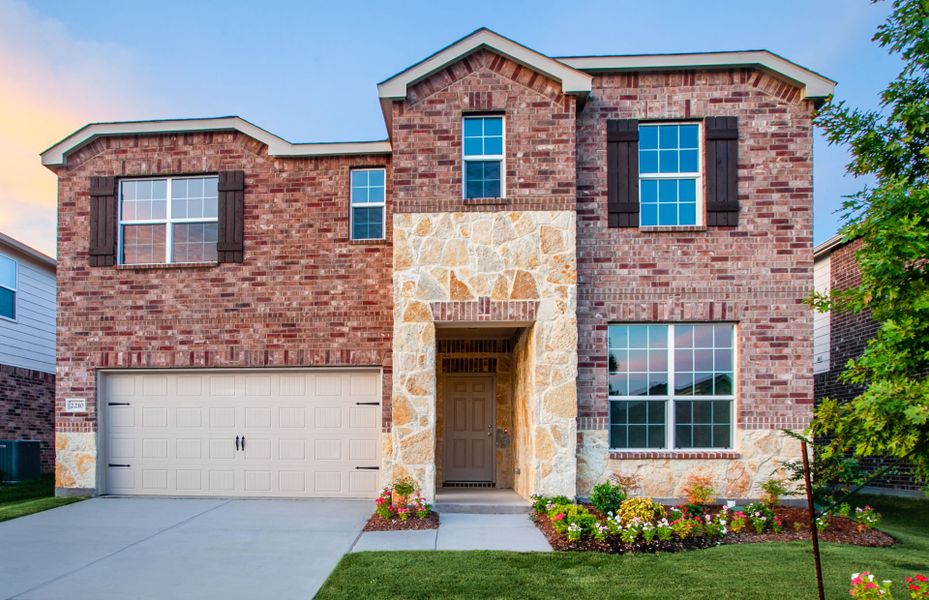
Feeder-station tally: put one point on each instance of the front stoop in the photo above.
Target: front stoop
(480, 501)
(512, 533)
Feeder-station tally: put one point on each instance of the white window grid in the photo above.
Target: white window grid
(501, 158)
(696, 175)
(12, 289)
(352, 205)
(168, 221)
(669, 398)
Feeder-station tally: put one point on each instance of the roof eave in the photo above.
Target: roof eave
(56, 155)
(29, 251)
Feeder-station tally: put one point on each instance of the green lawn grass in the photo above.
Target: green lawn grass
(29, 497)
(748, 571)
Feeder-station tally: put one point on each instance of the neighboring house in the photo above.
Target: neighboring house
(27, 346)
(840, 337)
(553, 269)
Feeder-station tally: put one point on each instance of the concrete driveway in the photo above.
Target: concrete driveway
(158, 548)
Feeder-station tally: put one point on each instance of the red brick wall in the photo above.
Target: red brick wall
(305, 296)
(539, 137)
(848, 336)
(756, 274)
(27, 409)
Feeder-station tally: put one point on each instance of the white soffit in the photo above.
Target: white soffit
(56, 155)
(572, 80)
(814, 85)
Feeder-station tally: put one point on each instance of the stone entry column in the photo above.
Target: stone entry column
(501, 267)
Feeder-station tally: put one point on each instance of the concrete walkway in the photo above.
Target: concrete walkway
(460, 531)
(159, 549)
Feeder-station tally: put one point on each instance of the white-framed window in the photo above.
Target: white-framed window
(672, 386)
(368, 204)
(670, 174)
(168, 220)
(482, 152)
(7, 288)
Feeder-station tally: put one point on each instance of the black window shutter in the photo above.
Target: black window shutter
(230, 245)
(722, 171)
(622, 157)
(102, 246)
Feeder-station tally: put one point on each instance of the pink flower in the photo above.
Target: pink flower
(558, 517)
(921, 578)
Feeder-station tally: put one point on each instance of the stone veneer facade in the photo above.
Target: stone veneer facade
(498, 258)
(541, 260)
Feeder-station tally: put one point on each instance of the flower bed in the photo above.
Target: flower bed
(642, 525)
(400, 507)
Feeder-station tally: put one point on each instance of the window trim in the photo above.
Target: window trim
(669, 399)
(699, 175)
(483, 157)
(352, 206)
(14, 289)
(168, 221)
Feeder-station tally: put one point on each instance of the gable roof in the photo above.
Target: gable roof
(572, 80)
(277, 146)
(814, 85)
(18, 246)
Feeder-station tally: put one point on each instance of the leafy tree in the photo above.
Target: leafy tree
(891, 218)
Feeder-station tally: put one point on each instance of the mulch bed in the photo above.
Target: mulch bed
(797, 527)
(379, 523)
(840, 530)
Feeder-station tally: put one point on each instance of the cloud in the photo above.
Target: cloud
(51, 83)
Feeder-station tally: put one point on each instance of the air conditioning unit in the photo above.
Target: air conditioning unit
(19, 460)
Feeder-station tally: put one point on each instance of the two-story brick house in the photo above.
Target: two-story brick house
(553, 269)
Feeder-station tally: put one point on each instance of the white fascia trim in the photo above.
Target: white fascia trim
(277, 146)
(572, 80)
(815, 86)
(17, 246)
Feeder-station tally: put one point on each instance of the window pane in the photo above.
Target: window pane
(143, 244)
(619, 385)
(482, 179)
(473, 127)
(367, 223)
(687, 214)
(473, 146)
(376, 178)
(649, 191)
(648, 138)
(493, 145)
(689, 161)
(649, 215)
(648, 161)
(702, 424)
(493, 126)
(618, 336)
(638, 336)
(7, 303)
(143, 200)
(668, 161)
(7, 272)
(689, 135)
(367, 186)
(618, 360)
(194, 242)
(638, 384)
(637, 424)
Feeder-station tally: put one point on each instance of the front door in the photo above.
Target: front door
(469, 429)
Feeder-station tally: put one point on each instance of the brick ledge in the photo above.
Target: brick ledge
(149, 266)
(677, 455)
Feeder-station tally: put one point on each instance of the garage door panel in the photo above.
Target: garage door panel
(305, 435)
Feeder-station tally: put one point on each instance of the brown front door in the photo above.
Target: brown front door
(469, 428)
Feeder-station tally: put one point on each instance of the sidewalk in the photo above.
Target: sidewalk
(462, 531)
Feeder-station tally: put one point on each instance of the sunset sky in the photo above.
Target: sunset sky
(307, 70)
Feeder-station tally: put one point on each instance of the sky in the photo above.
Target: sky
(307, 71)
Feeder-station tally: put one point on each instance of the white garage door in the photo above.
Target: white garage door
(245, 433)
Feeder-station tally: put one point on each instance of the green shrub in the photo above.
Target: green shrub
(773, 489)
(607, 497)
(572, 518)
(541, 503)
(404, 486)
(645, 509)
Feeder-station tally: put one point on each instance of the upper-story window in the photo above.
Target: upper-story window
(168, 220)
(7, 287)
(368, 205)
(670, 188)
(671, 386)
(482, 154)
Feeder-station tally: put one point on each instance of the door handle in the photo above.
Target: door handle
(236, 443)
(243, 443)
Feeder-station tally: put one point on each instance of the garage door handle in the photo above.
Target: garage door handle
(124, 466)
(367, 404)
(368, 468)
(236, 443)
(243, 443)
(117, 404)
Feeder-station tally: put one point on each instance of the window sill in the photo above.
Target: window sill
(486, 201)
(372, 242)
(671, 228)
(155, 266)
(675, 455)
